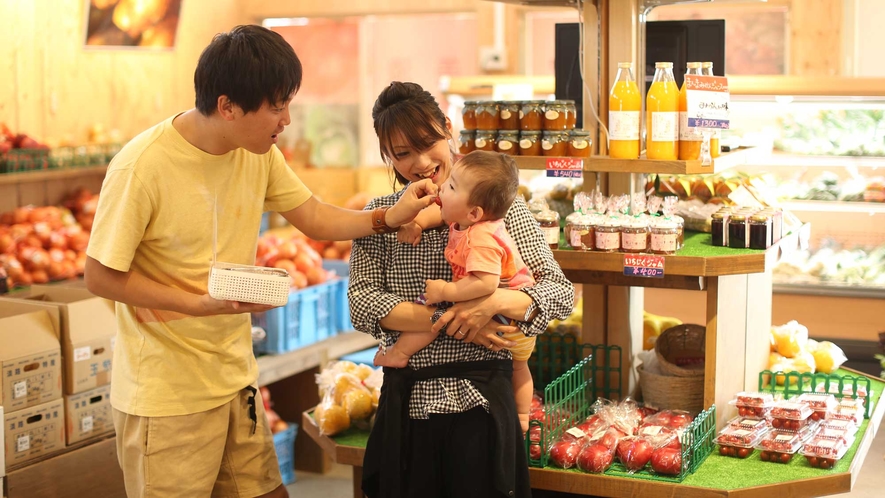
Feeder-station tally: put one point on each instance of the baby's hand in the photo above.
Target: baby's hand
(433, 291)
(410, 233)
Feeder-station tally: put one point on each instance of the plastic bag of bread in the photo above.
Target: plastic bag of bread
(331, 418)
(828, 357)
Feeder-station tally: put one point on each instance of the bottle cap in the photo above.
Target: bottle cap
(625, 65)
(663, 65)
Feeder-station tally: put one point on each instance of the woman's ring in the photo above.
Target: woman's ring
(461, 333)
(491, 345)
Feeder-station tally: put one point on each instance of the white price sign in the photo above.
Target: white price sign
(707, 100)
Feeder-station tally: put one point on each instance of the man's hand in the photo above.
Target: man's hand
(410, 233)
(433, 291)
(418, 196)
(208, 306)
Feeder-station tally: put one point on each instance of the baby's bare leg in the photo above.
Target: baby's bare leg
(408, 344)
(523, 388)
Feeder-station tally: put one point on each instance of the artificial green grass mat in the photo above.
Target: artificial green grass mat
(697, 244)
(722, 472)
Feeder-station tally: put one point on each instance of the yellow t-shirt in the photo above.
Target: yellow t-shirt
(155, 216)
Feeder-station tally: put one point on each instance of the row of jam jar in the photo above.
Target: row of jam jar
(746, 227)
(572, 143)
(628, 234)
(530, 115)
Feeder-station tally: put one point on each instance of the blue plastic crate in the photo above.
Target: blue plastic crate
(342, 307)
(265, 223)
(339, 266)
(366, 357)
(308, 317)
(284, 443)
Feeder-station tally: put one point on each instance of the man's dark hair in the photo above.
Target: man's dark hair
(251, 65)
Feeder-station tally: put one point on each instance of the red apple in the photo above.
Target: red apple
(667, 461)
(634, 452)
(680, 419)
(611, 438)
(595, 458)
(565, 453)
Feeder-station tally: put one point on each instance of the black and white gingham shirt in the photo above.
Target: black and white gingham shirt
(385, 272)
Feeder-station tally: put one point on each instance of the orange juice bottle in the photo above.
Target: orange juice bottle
(662, 115)
(707, 70)
(625, 106)
(690, 139)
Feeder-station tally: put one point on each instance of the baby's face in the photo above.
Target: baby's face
(454, 196)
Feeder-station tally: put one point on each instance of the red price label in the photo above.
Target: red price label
(565, 167)
(644, 265)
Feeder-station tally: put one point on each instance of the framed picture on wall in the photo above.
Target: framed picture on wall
(150, 24)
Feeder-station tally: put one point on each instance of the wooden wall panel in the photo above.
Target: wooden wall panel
(816, 37)
(319, 8)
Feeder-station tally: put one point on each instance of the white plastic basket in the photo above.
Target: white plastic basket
(245, 283)
(249, 284)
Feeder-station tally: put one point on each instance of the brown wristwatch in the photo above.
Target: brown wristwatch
(379, 220)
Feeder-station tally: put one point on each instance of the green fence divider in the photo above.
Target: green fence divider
(796, 383)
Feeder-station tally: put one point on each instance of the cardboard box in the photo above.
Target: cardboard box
(2, 453)
(88, 414)
(88, 329)
(30, 359)
(34, 432)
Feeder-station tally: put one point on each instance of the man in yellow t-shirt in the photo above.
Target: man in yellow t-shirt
(188, 419)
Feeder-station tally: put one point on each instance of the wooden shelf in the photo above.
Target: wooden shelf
(828, 290)
(272, 368)
(52, 174)
(483, 86)
(605, 164)
(816, 86)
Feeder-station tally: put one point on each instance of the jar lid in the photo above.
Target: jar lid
(611, 221)
(555, 133)
(717, 216)
(559, 102)
(487, 133)
(625, 65)
(692, 65)
(738, 217)
(547, 215)
(530, 133)
(579, 133)
(471, 102)
(508, 132)
(763, 218)
(534, 102)
(666, 223)
(706, 65)
(663, 65)
(636, 222)
(468, 132)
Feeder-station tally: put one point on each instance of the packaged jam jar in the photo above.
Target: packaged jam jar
(508, 142)
(718, 223)
(487, 116)
(468, 114)
(664, 237)
(555, 116)
(571, 117)
(579, 143)
(549, 221)
(634, 235)
(485, 140)
(466, 142)
(530, 115)
(581, 233)
(530, 143)
(760, 231)
(608, 235)
(508, 114)
(554, 143)
(737, 231)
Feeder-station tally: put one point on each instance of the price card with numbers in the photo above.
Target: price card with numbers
(643, 265)
(23, 443)
(86, 424)
(564, 167)
(20, 389)
(707, 100)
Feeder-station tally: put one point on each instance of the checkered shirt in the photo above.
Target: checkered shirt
(385, 272)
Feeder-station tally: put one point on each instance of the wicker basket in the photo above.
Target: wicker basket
(681, 349)
(249, 284)
(672, 392)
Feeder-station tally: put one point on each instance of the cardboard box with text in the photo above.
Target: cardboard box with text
(30, 359)
(88, 414)
(35, 431)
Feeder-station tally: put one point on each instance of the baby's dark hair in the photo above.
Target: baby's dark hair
(410, 110)
(495, 181)
(251, 65)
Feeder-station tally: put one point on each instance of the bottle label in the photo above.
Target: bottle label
(546, 144)
(576, 239)
(687, 134)
(664, 126)
(551, 115)
(623, 125)
(580, 144)
(505, 114)
(635, 241)
(551, 234)
(608, 240)
(525, 143)
(480, 143)
(505, 145)
(663, 242)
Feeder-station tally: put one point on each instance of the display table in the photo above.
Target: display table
(717, 476)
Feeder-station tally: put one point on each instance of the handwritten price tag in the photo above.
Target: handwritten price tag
(707, 100)
(565, 167)
(643, 265)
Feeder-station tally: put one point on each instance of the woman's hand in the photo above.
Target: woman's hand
(490, 338)
(465, 319)
(410, 233)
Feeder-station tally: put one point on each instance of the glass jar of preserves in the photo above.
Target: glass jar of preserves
(580, 232)
(530, 115)
(508, 114)
(718, 222)
(554, 143)
(468, 114)
(487, 116)
(508, 142)
(579, 143)
(485, 140)
(608, 235)
(760, 231)
(530, 143)
(555, 116)
(664, 237)
(571, 117)
(466, 143)
(549, 221)
(634, 235)
(737, 231)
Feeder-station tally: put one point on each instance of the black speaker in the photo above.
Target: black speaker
(684, 41)
(567, 69)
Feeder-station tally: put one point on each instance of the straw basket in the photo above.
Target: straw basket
(680, 350)
(672, 392)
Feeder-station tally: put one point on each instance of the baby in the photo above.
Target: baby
(474, 201)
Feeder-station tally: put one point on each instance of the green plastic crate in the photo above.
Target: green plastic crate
(21, 160)
(796, 383)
